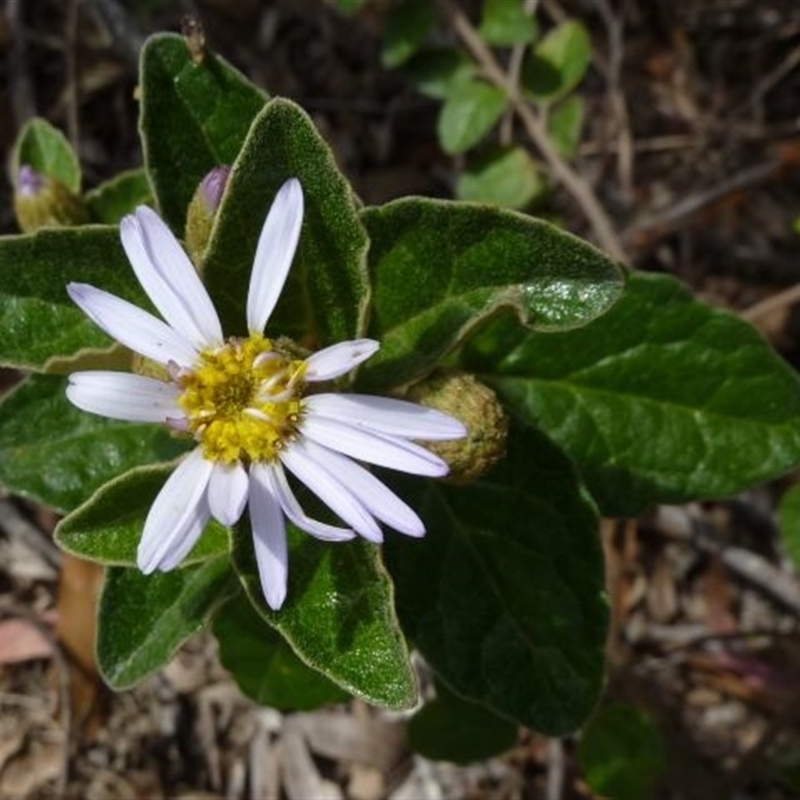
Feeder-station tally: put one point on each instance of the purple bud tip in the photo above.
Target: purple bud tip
(29, 181)
(213, 185)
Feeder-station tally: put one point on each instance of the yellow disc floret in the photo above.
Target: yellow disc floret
(243, 400)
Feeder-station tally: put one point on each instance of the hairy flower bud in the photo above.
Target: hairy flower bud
(462, 396)
(41, 201)
(202, 210)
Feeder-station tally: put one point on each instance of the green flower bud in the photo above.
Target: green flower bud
(41, 201)
(477, 406)
(202, 210)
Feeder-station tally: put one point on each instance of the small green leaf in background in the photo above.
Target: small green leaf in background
(47, 150)
(436, 71)
(505, 176)
(194, 117)
(564, 125)
(338, 616)
(504, 597)
(471, 110)
(55, 453)
(505, 23)
(115, 198)
(789, 523)
(350, 6)
(622, 753)
(144, 619)
(449, 728)
(440, 269)
(264, 666)
(559, 62)
(406, 30)
(108, 526)
(661, 400)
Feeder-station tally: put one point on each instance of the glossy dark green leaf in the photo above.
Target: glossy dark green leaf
(504, 597)
(406, 30)
(449, 728)
(263, 664)
(108, 526)
(46, 149)
(559, 61)
(662, 400)
(323, 301)
(440, 269)
(505, 23)
(503, 176)
(144, 619)
(622, 753)
(338, 616)
(436, 71)
(58, 455)
(194, 117)
(115, 198)
(564, 125)
(471, 110)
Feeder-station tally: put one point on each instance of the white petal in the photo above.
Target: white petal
(276, 248)
(227, 492)
(378, 499)
(269, 539)
(386, 415)
(168, 277)
(333, 493)
(291, 507)
(174, 511)
(339, 359)
(183, 545)
(120, 395)
(374, 448)
(132, 326)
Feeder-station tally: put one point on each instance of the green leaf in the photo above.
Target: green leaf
(338, 616)
(47, 150)
(622, 752)
(564, 125)
(471, 110)
(350, 6)
(58, 455)
(264, 666)
(450, 728)
(39, 321)
(504, 597)
(559, 62)
(144, 619)
(440, 269)
(325, 295)
(108, 526)
(505, 23)
(112, 200)
(789, 523)
(194, 117)
(436, 71)
(504, 176)
(407, 28)
(662, 400)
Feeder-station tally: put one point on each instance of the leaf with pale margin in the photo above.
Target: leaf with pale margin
(115, 198)
(471, 110)
(440, 269)
(338, 615)
(55, 453)
(324, 299)
(662, 400)
(194, 117)
(144, 619)
(46, 149)
(108, 526)
(504, 597)
(263, 664)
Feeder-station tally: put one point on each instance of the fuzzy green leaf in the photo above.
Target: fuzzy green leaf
(46, 149)
(559, 62)
(503, 176)
(115, 198)
(471, 110)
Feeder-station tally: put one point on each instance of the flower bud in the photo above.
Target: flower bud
(202, 210)
(41, 201)
(476, 405)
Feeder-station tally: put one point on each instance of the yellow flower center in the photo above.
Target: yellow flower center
(243, 400)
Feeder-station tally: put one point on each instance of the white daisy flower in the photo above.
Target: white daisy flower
(250, 405)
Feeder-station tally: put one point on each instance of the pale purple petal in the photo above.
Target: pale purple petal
(379, 500)
(168, 277)
(291, 507)
(133, 327)
(386, 415)
(333, 493)
(183, 545)
(120, 395)
(269, 538)
(227, 492)
(374, 448)
(174, 511)
(276, 248)
(339, 359)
